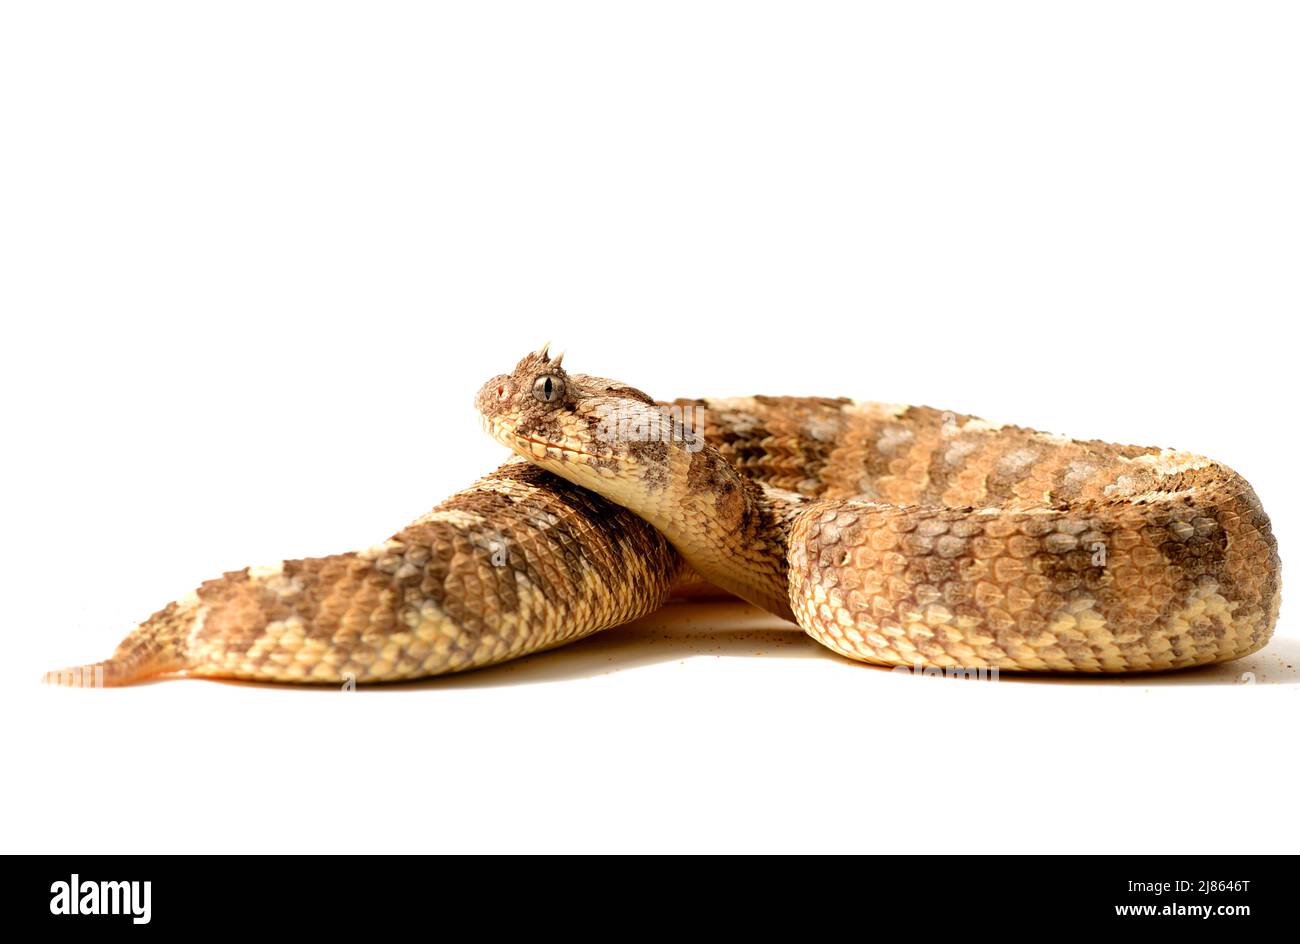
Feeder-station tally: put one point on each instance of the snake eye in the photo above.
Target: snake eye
(548, 388)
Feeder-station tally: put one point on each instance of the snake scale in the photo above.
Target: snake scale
(895, 535)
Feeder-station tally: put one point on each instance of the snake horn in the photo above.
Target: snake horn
(542, 351)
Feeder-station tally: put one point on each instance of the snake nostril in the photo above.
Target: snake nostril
(501, 393)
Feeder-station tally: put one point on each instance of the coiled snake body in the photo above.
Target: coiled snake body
(893, 535)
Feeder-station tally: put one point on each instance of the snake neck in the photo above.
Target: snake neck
(732, 530)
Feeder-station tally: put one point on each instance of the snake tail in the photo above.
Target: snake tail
(158, 646)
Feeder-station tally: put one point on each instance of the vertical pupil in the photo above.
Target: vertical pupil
(548, 388)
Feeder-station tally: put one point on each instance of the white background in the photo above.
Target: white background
(256, 258)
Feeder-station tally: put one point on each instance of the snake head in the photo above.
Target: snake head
(590, 430)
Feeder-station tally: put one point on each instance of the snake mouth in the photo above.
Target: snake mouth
(505, 433)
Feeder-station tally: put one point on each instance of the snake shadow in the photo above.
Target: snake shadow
(729, 629)
(674, 633)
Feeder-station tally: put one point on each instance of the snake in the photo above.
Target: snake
(894, 535)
